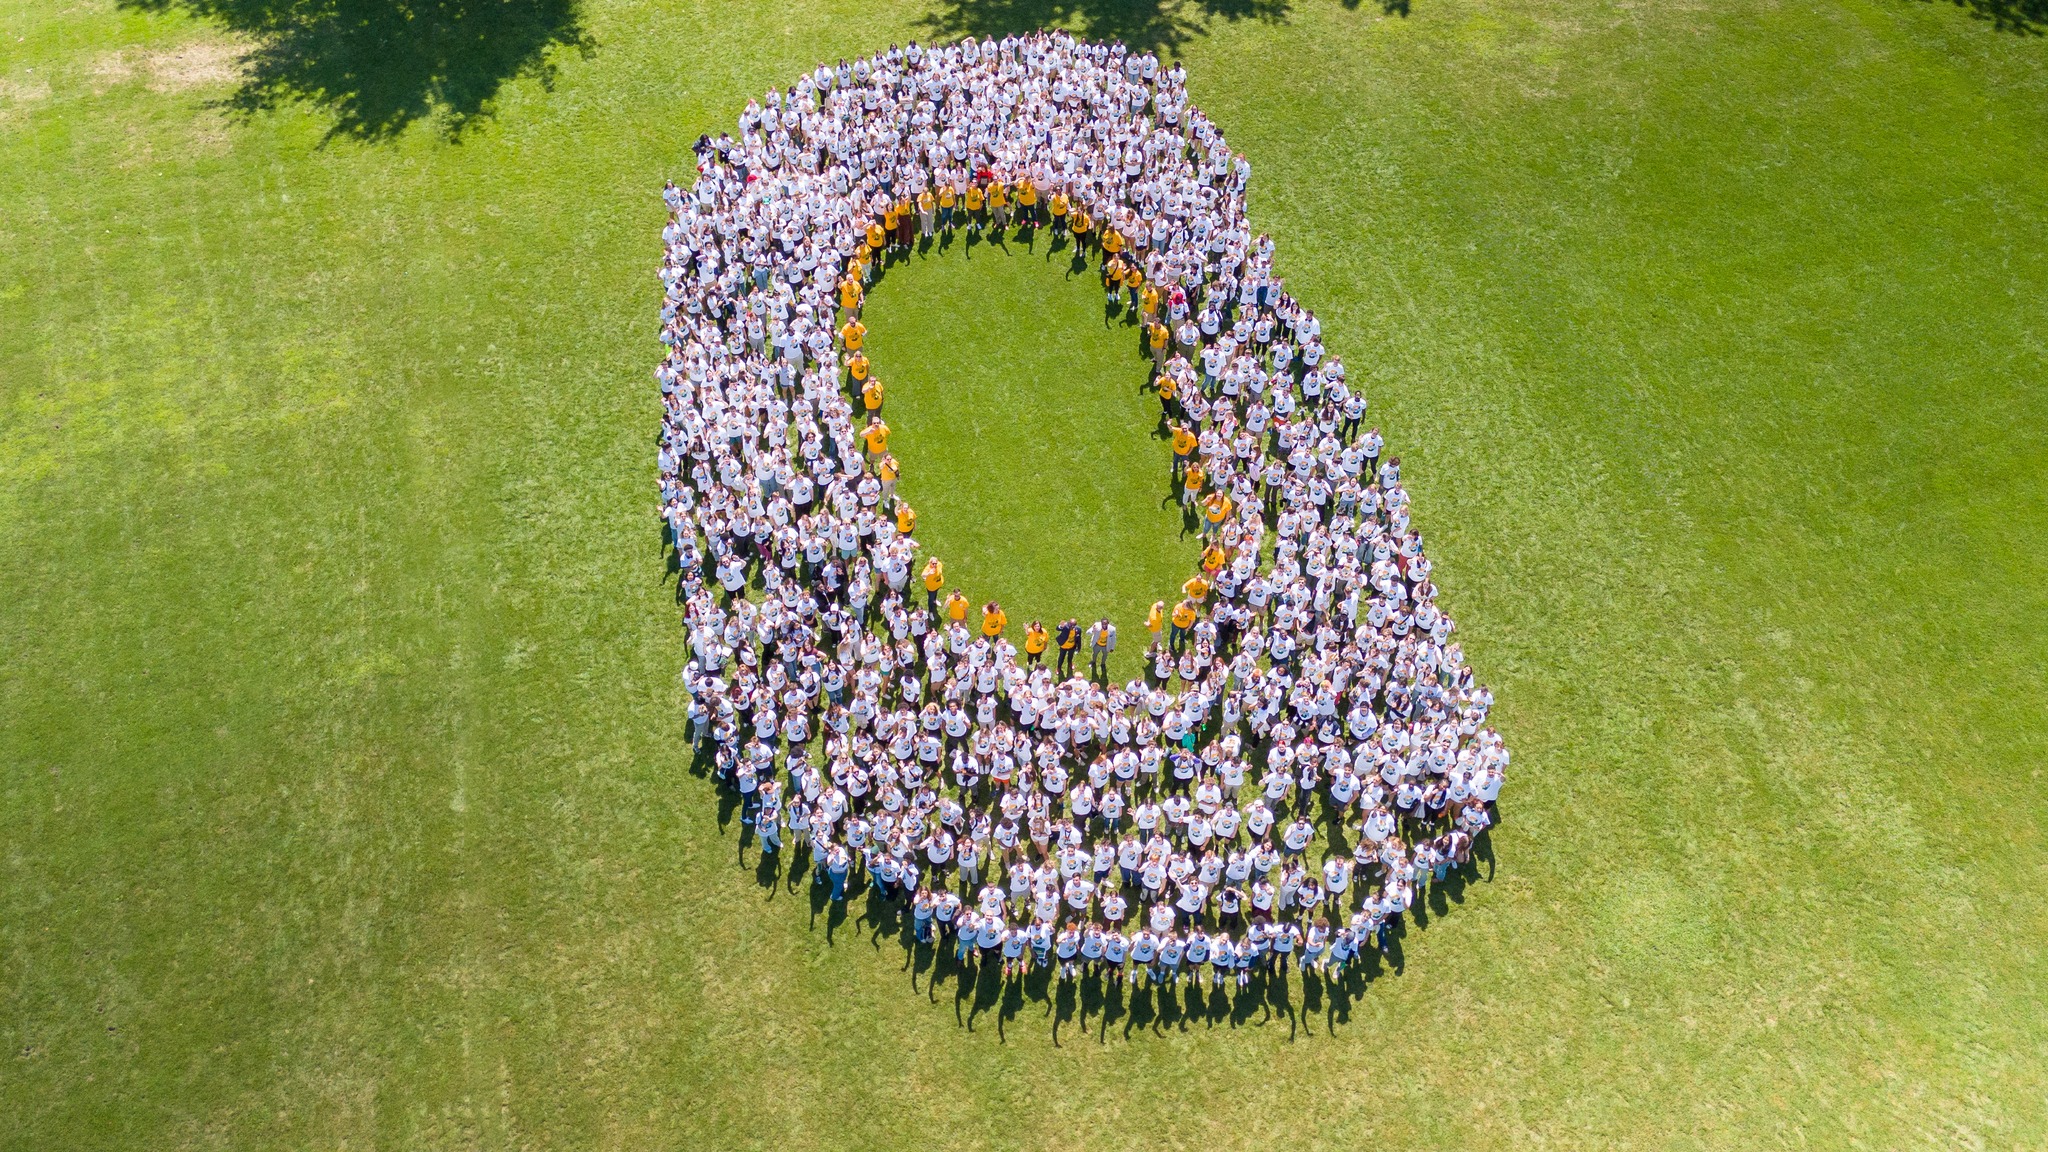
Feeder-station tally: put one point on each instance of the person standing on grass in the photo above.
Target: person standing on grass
(1034, 643)
(1068, 638)
(1101, 642)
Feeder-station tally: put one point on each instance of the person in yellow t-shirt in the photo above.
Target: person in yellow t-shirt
(1155, 620)
(1148, 305)
(1112, 241)
(1169, 395)
(1191, 483)
(1027, 203)
(878, 235)
(947, 198)
(906, 221)
(906, 518)
(1112, 280)
(1078, 220)
(887, 470)
(1156, 336)
(890, 215)
(1058, 206)
(871, 395)
(1035, 639)
(956, 607)
(1197, 589)
(1216, 509)
(999, 204)
(1184, 438)
(850, 293)
(875, 437)
(1214, 557)
(857, 367)
(992, 620)
(974, 202)
(934, 579)
(927, 213)
(853, 334)
(1183, 621)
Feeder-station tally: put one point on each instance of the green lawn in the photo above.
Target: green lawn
(339, 720)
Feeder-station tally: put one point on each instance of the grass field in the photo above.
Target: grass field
(339, 721)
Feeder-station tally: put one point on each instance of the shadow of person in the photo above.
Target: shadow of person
(378, 66)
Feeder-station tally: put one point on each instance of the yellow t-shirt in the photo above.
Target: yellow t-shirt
(876, 236)
(857, 365)
(1058, 204)
(993, 623)
(1196, 588)
(1027, 194)
(871, 395)
(1034, 641)
(875, 436)
(956, 608)
(849, 292)
(926, 201)
(853, 333)
(906, 518)
(1112, 241)
(889, 216)
(1184, 441)
(998, 196)
(974, 197)
(1183, 615)
(946, 196)
(934, 576)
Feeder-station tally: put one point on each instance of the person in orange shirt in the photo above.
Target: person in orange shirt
(1077, 219)
(1113, 280)
(1215, 509)
(875, 437)
(1191, 485)
(1035, 640)
(853, 333)
(1156, 337)
(948, 196)
(934, 579)
(1183, 621)
(1214, 557)
(1197, 589)
(878, 235)
(956, 607)
(887, 470)
(1027, 203)
(906, 518)
(999, 204)
(857, 368)
(1184, 439)
(906, 222)
(871, 395)
(992, 620)
(1155, 620)
(974, 202)
(850, 293)
(1058, 207)
(927, 213)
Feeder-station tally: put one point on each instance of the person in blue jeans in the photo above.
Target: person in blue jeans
(837, 863)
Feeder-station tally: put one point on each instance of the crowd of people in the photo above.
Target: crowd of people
(1303, 749)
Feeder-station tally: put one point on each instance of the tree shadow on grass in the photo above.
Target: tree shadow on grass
(1143, 25)
(379, 65)
(2020, 17)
